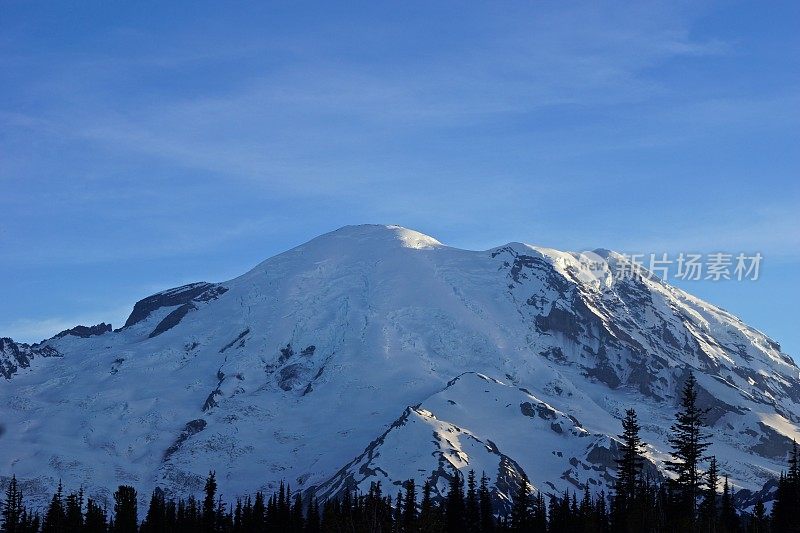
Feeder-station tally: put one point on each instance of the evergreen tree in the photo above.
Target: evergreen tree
(312, 518)
(787, 498)
(729, 520)
(125, 510)
(689, 444)
(521, 506)
(409, 523)
(709, 508)
(96, 520)
(209, 503)
(154, 520)
(297, 520)
(760, 522)
(73, 520)
(485, 505)
(471, 506)
(601, 513)
(13, 508)
(55, 518)
(221, 518)
(454, 504)
(398, 513)
(629, 466)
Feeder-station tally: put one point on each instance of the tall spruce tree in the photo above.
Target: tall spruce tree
(485, 505)
(709, 507)
(209, 503)
(73, 511)
(689, 443)
(13, 508)
(521, 506)
(454, 504)
(629, 467)
(312, 517)
(471, 505)
(96, 519)
(760, 521)
(55, 517)
(154, 520)
(125, 510)
(728, 518)
(409, 522)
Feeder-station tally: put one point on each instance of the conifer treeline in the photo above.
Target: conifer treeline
(690, 501)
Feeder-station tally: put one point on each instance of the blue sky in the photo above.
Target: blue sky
(149, 144)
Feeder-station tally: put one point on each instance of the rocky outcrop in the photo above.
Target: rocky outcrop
(17, 355)
(85, 332)
(201, 291)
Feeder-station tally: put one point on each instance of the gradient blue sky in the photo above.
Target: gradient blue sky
(148, 144)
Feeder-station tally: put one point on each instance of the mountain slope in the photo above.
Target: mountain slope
(294, 369)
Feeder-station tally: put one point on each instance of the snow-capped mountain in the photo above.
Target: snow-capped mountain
(376, 353)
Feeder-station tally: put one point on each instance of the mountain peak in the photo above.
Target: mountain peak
(332, 340)
(376, 233)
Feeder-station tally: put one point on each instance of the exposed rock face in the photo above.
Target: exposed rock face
(201, 291)
(299, 369)
(85, 332)
(16, 355)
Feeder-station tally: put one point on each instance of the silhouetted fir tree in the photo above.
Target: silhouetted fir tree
(237, 516)
(13, 508)
(728, 519)
(286, 509)
(345, 508)
(428, 511)
(155, 519)
(297, 520)
(556, 522)
(96, 520)
(397, 513)
(222, 519)
(626, 515)
(689, 444)
(472, 517)
(257, 518)
(520, 520)
(586, 510)
(312, 517)
(373, 508)
(564, 511)
(388, 517)
(125, 510)
(787, 497)
(409, 521)
(601, 513)
(329, 515)
(709, 508)
(56, 517)
(73, 511)
(574, 513)
(170, 518)
(454, 504)
(759, 522)
(209, 503)
(485, 506)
